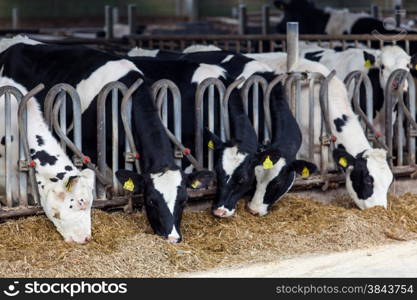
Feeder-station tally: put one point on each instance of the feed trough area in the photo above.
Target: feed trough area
(162, 147)
(123, 244)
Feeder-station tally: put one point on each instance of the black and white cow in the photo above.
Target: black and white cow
(88, 70)
(377, 64)
(368, 176)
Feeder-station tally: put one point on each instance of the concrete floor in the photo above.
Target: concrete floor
(393, 260)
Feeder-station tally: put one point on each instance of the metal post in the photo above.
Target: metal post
(192, 9)
(398, 15)
(375, 12)
(242, 19)
(178, 8)
(265, 19)
(131, 17)
(108, 15)
(15, 17)
(115, 15)
(292, 45)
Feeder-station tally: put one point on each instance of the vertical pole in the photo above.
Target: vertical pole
(242, 19)
(115, 15)
(179, 8)
(15, 17)
(108, 15)
(131, 18)
(265, 19)
(292, 45)
(375, 10)
(192, 8)
(398, 15)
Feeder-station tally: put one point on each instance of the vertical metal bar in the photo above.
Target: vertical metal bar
(398, 16)
(400, 135)
(131, 17)
(242, 19)
(108, 15)
(255, 108)
(211, 122)
(375, 10)
(9, 152)
(115, 135)
(164, 106)
(15, 18)
(411, 100)
(63, 116)
(128, 165)
(292, 45)
(115, 15)
(23, 182)
(265, 19)
(311, 120)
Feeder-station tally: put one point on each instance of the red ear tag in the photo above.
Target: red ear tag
(378, 134)
(137, 155)
(86, 160)
(32, 164)
(186, 151)
(334, 139)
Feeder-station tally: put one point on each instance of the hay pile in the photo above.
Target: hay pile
(123, 245)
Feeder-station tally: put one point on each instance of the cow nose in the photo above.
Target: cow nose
(253, 212)
(220, 212)
(172, 239)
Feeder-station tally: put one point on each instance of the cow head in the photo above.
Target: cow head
(391, 59)
(165, 196)
(67, 203)
(274, 177)
(235, 173)
(368, 176)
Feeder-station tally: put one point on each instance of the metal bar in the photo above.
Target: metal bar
(292, 45)
(131, 17)
(242, 19)
(15, 18)
(22, 119)
(375, 12)
(108, 15)
(265, 19)
(8, 148)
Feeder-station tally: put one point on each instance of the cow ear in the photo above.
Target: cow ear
(89, 176)
(200, 179)
(303, 168)
(369, 59)
(343, 159)
(214, 142)
(130, 181)
(267, 158)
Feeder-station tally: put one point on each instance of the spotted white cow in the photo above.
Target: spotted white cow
(368, 175)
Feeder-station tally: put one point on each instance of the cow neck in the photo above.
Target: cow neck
(241, 128)
(156, 153)
(52, 163)
(286, 135)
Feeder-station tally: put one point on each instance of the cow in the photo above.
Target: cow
(377, 64)
(238, 162)
(161, 182)
(368, 176)
(313, 20)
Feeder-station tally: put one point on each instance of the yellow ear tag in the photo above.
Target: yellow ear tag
(195, 184)
(368, 64)
(343, 162)
(128, 185)
(68, 186)
(305, 172)
(415, 67)
(210, 145)
(268, 164)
